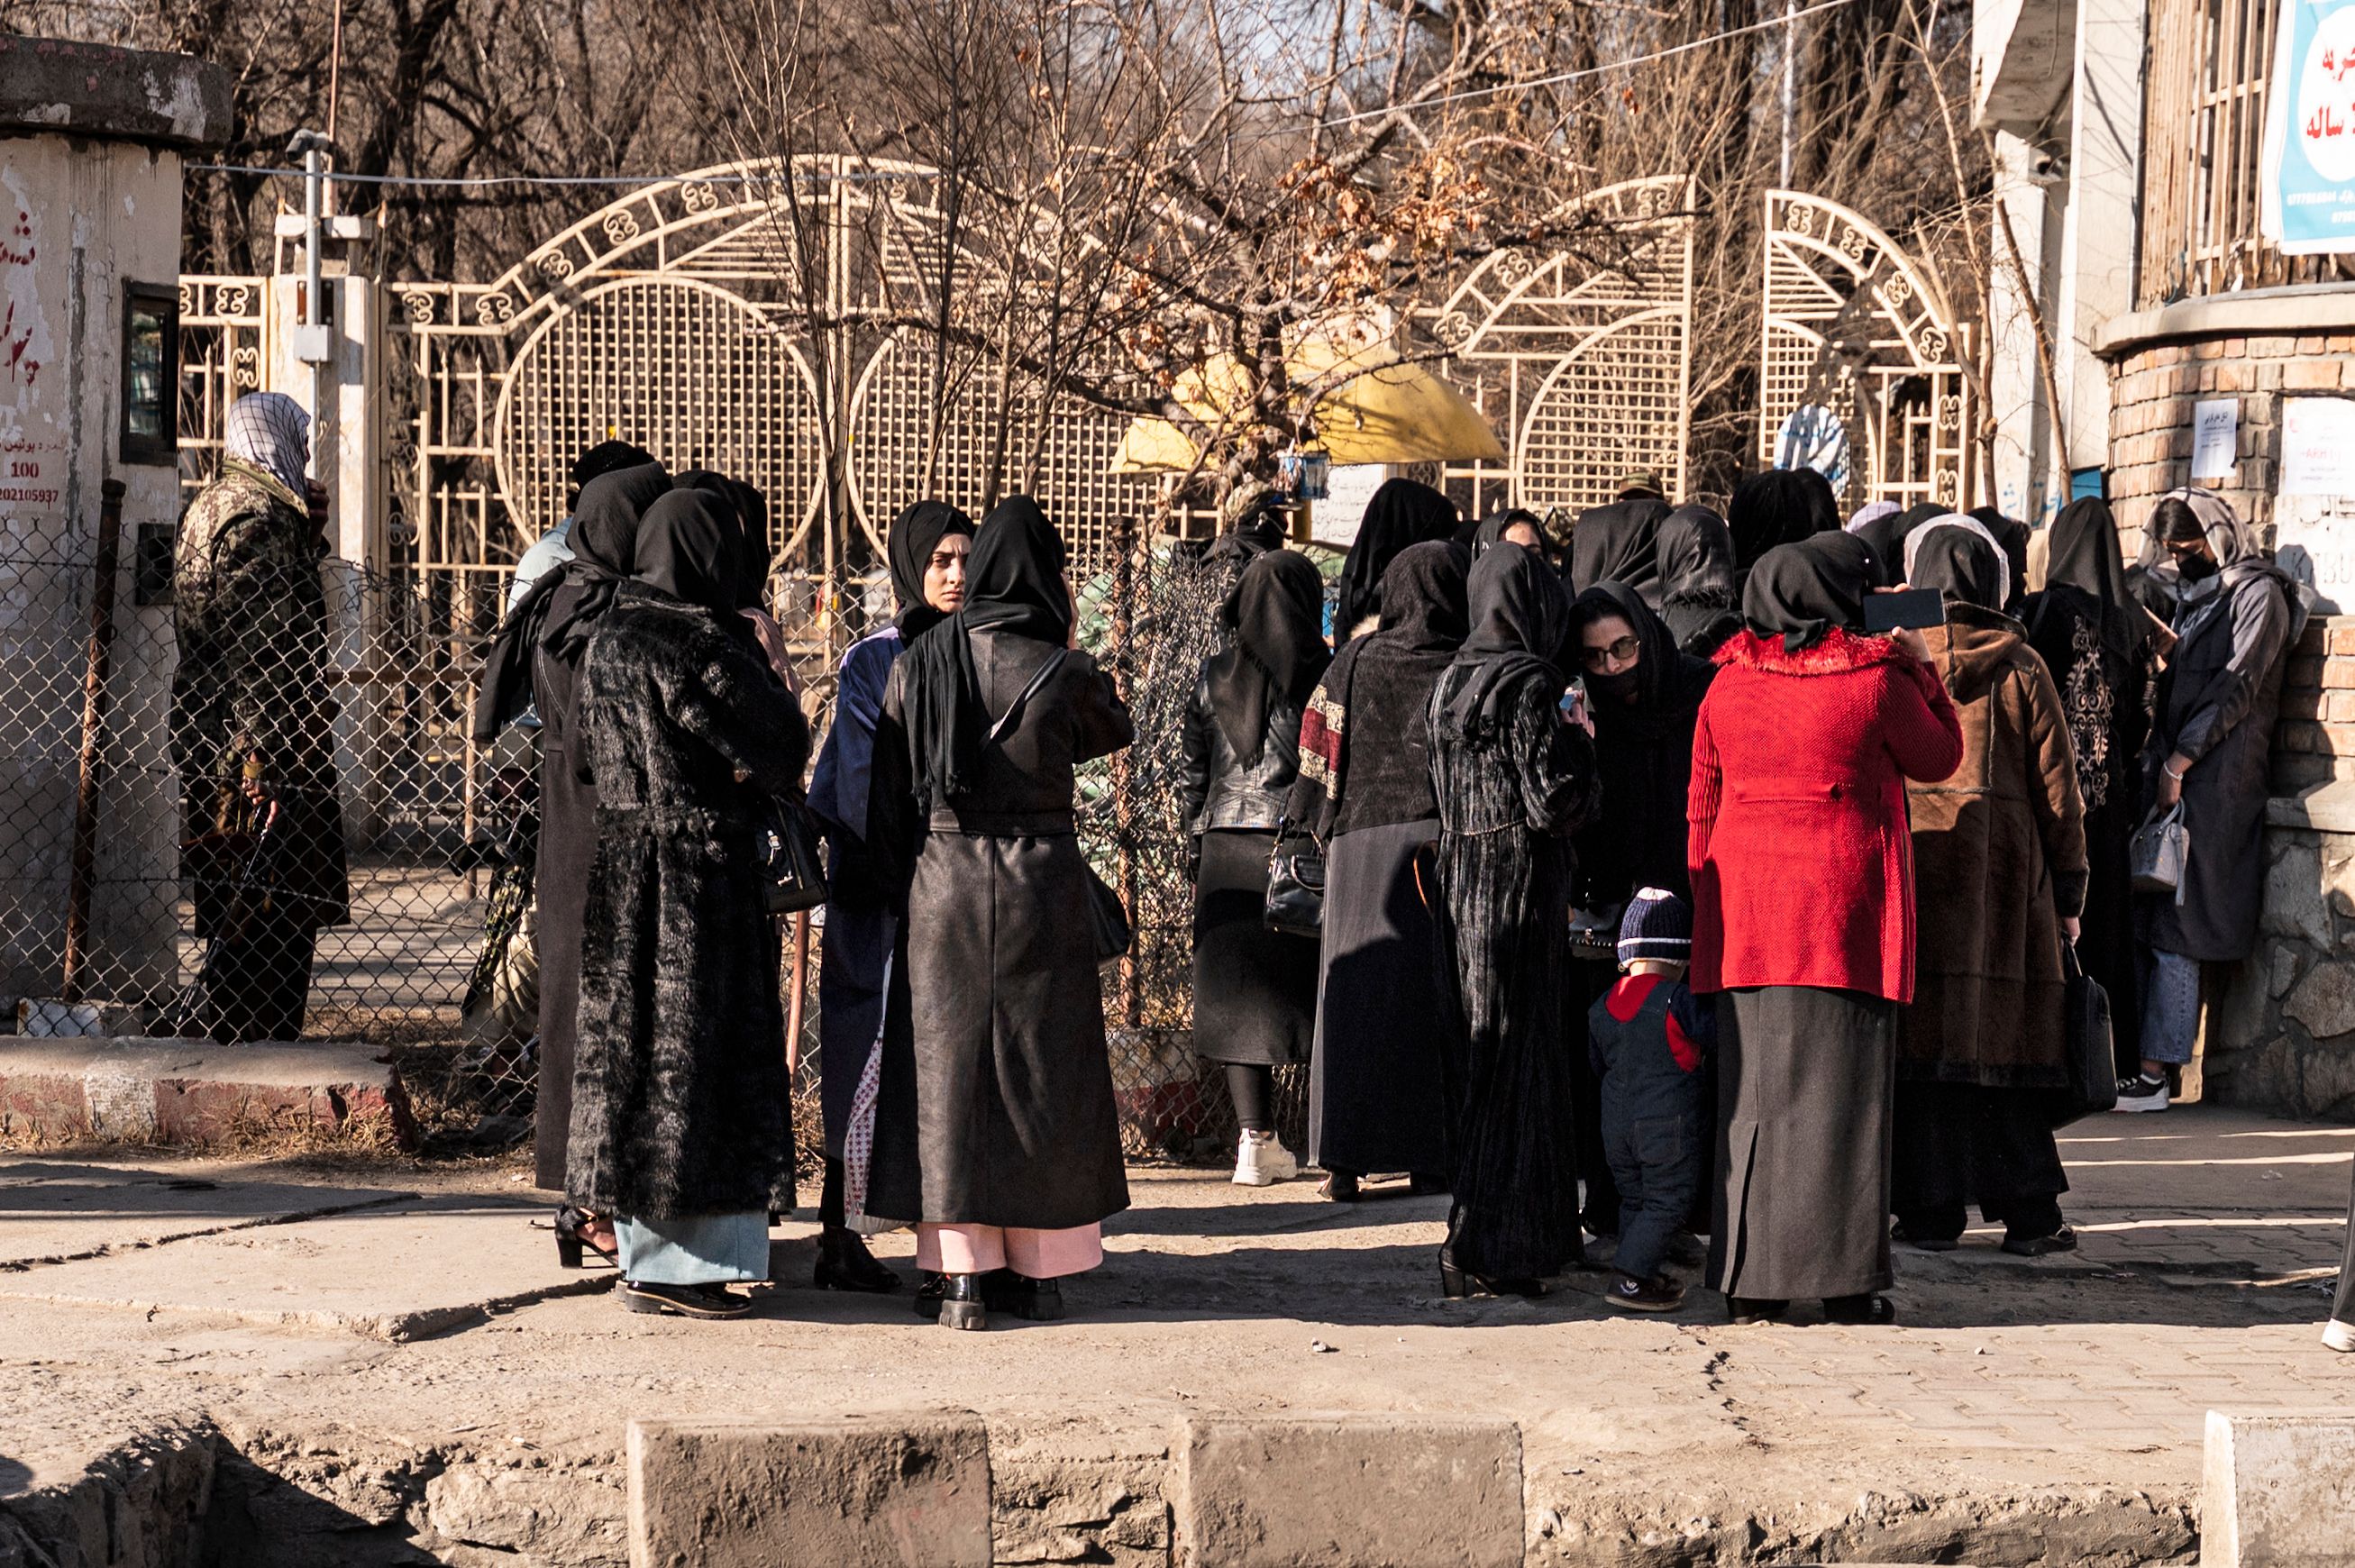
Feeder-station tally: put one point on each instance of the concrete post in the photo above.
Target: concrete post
(2024, 455)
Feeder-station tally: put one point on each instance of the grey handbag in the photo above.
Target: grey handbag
(2159, 851)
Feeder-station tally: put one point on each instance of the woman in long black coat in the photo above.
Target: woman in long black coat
(1645, 698)
(1513, 779)
(580, 593)
(682, 1116)
(1018, 1141)
(2095, 638)
(1255, 989)
(1379, 1084)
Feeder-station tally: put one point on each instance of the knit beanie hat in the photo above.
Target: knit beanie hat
(1658, 924)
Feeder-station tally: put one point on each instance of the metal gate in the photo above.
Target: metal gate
(1853, 325)
(1581, 358)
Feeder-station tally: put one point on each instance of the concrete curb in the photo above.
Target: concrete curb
(847, 1493)
(1294, 1492)
(2279, 1493)
(146, 1091)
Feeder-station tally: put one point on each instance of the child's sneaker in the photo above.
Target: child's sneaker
(1629, 1294)
(2143, 1092)
(1262, 1161)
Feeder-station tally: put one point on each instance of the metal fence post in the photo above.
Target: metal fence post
(83, 864)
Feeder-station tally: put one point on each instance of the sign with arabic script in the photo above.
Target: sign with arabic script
(2308, 198)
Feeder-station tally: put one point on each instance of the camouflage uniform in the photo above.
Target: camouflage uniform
(249, 701)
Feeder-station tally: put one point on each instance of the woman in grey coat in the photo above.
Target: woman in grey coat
(983, 720)
(2216, 705)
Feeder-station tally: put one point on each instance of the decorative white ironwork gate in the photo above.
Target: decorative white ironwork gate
(1853, 325)
(221, 356)
(1581, 358)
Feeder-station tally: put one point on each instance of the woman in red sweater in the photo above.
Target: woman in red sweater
(1803, 900)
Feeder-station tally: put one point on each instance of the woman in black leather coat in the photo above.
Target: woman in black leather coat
(1255, 989)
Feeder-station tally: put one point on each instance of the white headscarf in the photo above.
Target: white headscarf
(1872, 512)
(1965, 521)
(269, 430)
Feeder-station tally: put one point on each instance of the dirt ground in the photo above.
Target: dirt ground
(390, 1306)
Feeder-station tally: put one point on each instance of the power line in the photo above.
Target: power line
(475, 181)
(1786, 20)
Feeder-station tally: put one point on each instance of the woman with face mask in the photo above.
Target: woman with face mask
(2214, 724)
(860, 971)
(1644, 697)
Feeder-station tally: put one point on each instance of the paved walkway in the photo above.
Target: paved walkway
(368, 1310)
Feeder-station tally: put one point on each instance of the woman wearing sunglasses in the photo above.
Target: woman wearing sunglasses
(1644, 695)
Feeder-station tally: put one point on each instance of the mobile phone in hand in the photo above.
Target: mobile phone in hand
(1920, 608)
(1574, 702)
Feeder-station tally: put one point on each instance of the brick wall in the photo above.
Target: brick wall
(2315, 742)
(2153, 390)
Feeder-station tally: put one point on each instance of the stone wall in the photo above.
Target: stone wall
(2155, 387)
(2281, 1031)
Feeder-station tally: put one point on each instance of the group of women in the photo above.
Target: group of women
(1892, 843)
(976, 1101)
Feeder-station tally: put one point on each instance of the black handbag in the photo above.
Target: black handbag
(1107, 920)
(794, 874)
(2093, 1069)
(1296, 885)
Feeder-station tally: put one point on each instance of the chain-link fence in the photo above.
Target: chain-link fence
(254, 812)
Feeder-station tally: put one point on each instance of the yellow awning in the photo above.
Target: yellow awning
(1385, 411)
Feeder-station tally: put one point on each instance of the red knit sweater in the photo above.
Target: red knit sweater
(1802, 862)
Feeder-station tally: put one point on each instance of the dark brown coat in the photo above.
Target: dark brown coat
(1998, 858)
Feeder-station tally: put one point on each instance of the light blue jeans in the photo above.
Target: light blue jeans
(697, 1249)
(2170, 1006)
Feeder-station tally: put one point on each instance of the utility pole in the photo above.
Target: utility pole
(1790, 83)
(312, 345)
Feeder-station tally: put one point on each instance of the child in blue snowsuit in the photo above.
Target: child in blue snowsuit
(1650, 1041)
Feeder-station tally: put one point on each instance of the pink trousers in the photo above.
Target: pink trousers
(1036, 1254)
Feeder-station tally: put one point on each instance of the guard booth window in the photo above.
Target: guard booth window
(151, 376)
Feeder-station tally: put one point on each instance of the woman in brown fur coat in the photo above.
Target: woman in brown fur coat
(2000, 878)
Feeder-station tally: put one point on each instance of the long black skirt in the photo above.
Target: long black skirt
(1378, 1091)
(2106, 945)
(1806, 1078)
(1255, 989)
(1959, 1144)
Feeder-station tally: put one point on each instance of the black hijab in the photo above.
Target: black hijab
(1619, 543)
(1424, 606)
(2010, 537)
(916, 533)
(1401, 513)
(605, 457)
(1014, 583)
(1801, 591)
(1780, 506)
(1520, 626)
(1961, 564)
(1669, 685)
(2085, 556)
(1276, 618)
(604, 551)
(691, 548)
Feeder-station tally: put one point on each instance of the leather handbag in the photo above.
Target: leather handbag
(1296, 885)
(2093, 1069)
(1107, 920)
(2159, 851)
(794, 874)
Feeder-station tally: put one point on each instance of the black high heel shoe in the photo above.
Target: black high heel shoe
(1457, 1284)
(844, 1263)
(573, 1228)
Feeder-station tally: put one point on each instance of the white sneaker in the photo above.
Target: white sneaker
(2339, 1336)
(1262, 1161)
(2142, 1092)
